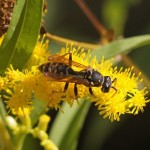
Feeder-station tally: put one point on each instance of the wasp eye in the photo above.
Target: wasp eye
(105, 89)
(107, 84)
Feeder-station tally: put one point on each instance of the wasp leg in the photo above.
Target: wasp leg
(90, 90)
(76, 94)
(70, 58)
(66, 86)
(75, 90)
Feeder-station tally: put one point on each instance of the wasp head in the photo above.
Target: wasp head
(106, 84)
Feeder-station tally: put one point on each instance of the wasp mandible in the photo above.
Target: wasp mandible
(59, 68)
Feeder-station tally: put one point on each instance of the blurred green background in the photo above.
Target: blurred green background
(128, 18)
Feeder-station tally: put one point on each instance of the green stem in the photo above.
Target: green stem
(5, 139)
(20, 141)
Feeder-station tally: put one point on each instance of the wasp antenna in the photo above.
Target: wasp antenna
(115, 90)
(114, 81)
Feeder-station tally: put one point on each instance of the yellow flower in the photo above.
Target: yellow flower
(39, 54)
(127, 99)
(23, 87)
(28, 86)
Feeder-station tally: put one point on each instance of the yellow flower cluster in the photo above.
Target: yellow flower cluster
(40, 53)
(23, 87)
(128, 99)
(28, 85)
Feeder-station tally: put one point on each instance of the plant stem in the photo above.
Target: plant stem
(75, 43)
(5, 139)
(20, 141)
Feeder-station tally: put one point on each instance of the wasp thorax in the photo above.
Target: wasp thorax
(95, 78)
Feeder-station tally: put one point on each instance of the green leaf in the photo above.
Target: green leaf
(21, 44)
(2, 110)
(115, 14)
(120, 46)
(67, 125)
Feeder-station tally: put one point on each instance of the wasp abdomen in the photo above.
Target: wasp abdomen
(62, 69)
(57, 69)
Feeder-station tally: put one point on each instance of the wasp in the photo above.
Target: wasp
(59, 68)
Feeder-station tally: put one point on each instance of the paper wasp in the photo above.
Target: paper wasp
(59, 68)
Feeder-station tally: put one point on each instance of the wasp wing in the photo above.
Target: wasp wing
(62, 59)
(68, 79)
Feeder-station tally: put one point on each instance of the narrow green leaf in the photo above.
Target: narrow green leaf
(19, 48)
(67, 126)
(29, 33)
(2, 110)
(120, 46)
